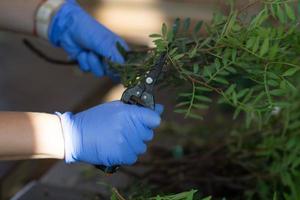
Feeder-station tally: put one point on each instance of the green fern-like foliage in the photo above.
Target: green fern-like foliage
(189, 195)
(250, 63)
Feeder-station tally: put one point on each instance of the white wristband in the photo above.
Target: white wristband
(44, 15)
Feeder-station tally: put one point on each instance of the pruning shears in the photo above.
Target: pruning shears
(142, 95)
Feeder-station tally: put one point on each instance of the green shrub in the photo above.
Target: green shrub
(251, 64)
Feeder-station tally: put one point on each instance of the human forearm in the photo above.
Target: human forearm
(18, 15)
(30, 135)
(65, 24)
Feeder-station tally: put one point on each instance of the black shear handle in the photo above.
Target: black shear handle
(140, 95)
(112, 169)
(126, 98)
(108, 170)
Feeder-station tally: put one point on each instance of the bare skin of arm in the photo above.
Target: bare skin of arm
(18, 15)
(27, 135)
(30, 135)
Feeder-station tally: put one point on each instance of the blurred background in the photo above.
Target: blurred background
(28, 83)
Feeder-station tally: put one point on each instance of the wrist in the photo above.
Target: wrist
(49, 142)
(56, 147)
(44, 15)
(61, 21)
(66, 127)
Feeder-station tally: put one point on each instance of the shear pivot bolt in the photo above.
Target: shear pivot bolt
(144, 97)
(138, 93)
(149, 80)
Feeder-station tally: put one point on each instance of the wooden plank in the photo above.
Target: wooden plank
(20, 174)
(6, 167)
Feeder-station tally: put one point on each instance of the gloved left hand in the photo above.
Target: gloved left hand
(84, 39)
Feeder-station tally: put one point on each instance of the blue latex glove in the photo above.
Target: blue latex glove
(109, 134)
(84, 39)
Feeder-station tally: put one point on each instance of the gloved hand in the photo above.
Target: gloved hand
(84, 39)
(109, 134)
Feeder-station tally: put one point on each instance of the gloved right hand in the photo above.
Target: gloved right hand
(109, 134)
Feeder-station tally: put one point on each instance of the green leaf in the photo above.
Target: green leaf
(277, 92)
(193, 53)
(231, 69)
(250, 42)
(273, 75)
(289, 12)
(203, 98)
(217, 63)
(155, 35)
(236, 27)
(176, 26)
(200, 106)
(190, 196)
(290, 72)
(230, 89)
(259, 19)
(113, 196)
(198, 27)
(226, 55)
(178, 56)
(298, 7)
(230, 23)
(180, 111)
(223, 73)
(265, 47)
(283, 85)
(181, 104)
(196, 68)
(234, 98)
(194, 116)
(185, 95)
(204, 89)
(164, 30)
(158, 197)
(205, 42)
(281, 31)
(160, 44)
(280, 13)
(273, 51)
(233, 54)
(296, 163)
(237, 112)
(248, 96)
(186, 24)
(272, 8)
(282, 104)
(259, 97)
(272, 82)
(173, 51)
(291, 86)
(249, 118)
(242, 93)
(221, 80)
(207, 72)
(256, 45)
(286, 179)
(170, 36)
(158, 41)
